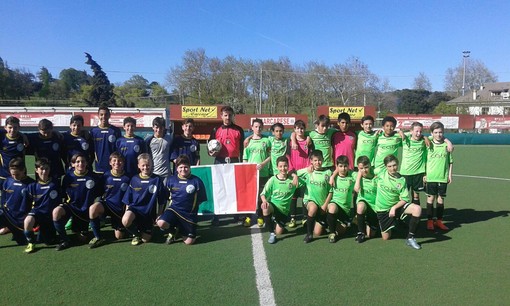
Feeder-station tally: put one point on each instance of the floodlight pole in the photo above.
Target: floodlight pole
(465, 55)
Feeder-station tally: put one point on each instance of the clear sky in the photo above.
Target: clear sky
(396, 39)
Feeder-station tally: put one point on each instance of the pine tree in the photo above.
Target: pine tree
(102, 89)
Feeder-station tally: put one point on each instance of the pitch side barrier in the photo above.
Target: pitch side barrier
(478, 139)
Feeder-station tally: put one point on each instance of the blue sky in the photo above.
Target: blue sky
(396, 39)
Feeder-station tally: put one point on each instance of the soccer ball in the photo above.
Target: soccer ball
(214, 145)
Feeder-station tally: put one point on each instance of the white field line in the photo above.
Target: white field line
(483, 177)
(263, 278)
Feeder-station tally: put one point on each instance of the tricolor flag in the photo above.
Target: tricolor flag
(231, 188)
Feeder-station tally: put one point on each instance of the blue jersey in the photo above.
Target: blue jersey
(50, 148)
(15, 200)
(81, 190)
(11, 148)
(114, 189)
(130, 148)
(77, 144)
(186, 194)
(104, 140)
(45, 196)
(144, 194)
(185, 146)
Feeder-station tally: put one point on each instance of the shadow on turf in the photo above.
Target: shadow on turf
(458, 217)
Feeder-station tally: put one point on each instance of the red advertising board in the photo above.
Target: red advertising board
(143, 120)
(287, 120)
(404, 121)
(492, 122)
(60, 117)
(31, 119)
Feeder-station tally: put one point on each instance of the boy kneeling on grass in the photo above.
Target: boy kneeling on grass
(145, 192)
(187, 192)
(276, 198)
(392, 202)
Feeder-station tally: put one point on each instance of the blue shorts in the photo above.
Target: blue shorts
(186, 228)
(116, 216)
(80, 219)
(142, 222)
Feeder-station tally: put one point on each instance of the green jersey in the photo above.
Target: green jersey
(342, 192)
(368, 191)
(365, 146)
(278, 148)
(390, 190)
(317, 185)
(279, 193)
(386, 145)
(322, 142)
(256, 152)
(438, 163)
(414, 156)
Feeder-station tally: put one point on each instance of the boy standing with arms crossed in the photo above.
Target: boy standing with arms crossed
(438, 176)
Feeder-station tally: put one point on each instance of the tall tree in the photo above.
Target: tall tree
(422, 81)
(412, 101)
(477, 74)
(73, 79)
(45, 78)
(102, 89)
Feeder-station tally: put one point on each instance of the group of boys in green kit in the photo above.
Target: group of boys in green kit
(373, 190)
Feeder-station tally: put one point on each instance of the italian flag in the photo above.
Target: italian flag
(230, 188)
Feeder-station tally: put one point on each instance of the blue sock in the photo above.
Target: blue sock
(29, 235)
(95, 225)
(60, 226)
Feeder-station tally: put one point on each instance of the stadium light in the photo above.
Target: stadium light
(465, 55)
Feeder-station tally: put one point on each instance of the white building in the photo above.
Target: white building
(489, 99)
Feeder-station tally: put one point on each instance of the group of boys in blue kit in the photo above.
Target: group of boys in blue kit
(342, 176)
(124, 185)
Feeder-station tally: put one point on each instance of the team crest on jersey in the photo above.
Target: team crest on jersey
(152, 189)
(190, 189)
(136, 148)
(90, 184)
(112, 138)
(55, 147)
(290, 185)
(84, 146)
(20, 147)
(24, 192)
(124, 186)
(399, 186)
(351, 137)
(228, 141)
(53, 194)
(192, 148)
